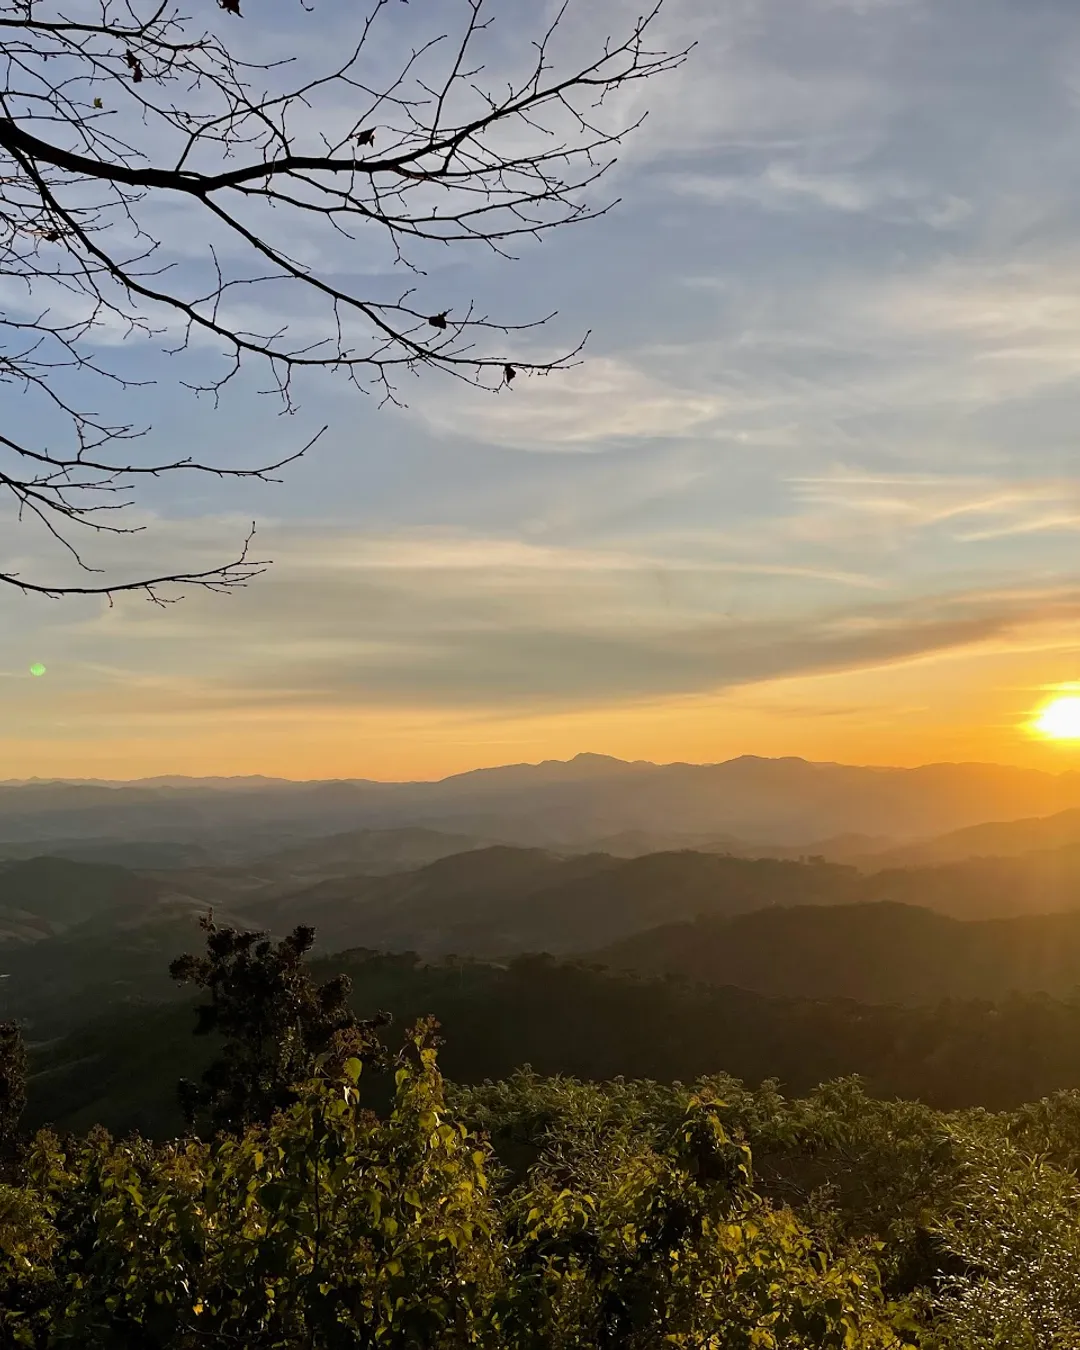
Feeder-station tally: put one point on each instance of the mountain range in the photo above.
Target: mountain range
(756, 916)
(740, 803)
(784, 878)
(79, 936)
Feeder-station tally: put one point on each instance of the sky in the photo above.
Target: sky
(813, 489)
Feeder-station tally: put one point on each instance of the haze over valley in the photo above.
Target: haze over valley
(845, 886)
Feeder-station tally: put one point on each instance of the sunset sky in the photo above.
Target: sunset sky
(814, 491)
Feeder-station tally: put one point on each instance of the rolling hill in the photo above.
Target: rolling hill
(77, 937)
(983, 888)
(500, 901)
(72, 932)
(993, 839)
(75, 932)
(44, 897)
(366, 852)
(871, 953)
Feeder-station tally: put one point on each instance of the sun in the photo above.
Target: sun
(1059, 720)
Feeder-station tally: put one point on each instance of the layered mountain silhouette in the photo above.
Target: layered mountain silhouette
(780, 876)
(992, 839)
(788, 803)
(74, 935)
(500, 901)
(757, 916)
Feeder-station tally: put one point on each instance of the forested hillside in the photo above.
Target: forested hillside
(77, 937)
(565, 1018)
(119, 928)
(498, 901)
(873, 953)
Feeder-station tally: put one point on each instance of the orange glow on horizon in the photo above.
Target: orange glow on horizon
(978, 703)
(819, 720)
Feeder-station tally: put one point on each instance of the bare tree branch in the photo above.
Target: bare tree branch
(106, 112)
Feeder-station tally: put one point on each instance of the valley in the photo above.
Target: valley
(919, 964)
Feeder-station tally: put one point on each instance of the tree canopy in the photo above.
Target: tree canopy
(276, 1024)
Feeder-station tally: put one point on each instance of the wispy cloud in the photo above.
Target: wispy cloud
(788, 186)
(447, 623)
(601, 401)
(971, 508)
(826, 421)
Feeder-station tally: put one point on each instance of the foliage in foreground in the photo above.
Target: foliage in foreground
(553, 1214)
(334, 1227)
(530, 1213)
(974, 1216)
(12, 1085)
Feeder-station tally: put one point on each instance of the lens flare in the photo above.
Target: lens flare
(1059, 720)
(37, 668)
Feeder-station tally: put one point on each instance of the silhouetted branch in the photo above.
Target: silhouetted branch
(104, 113)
